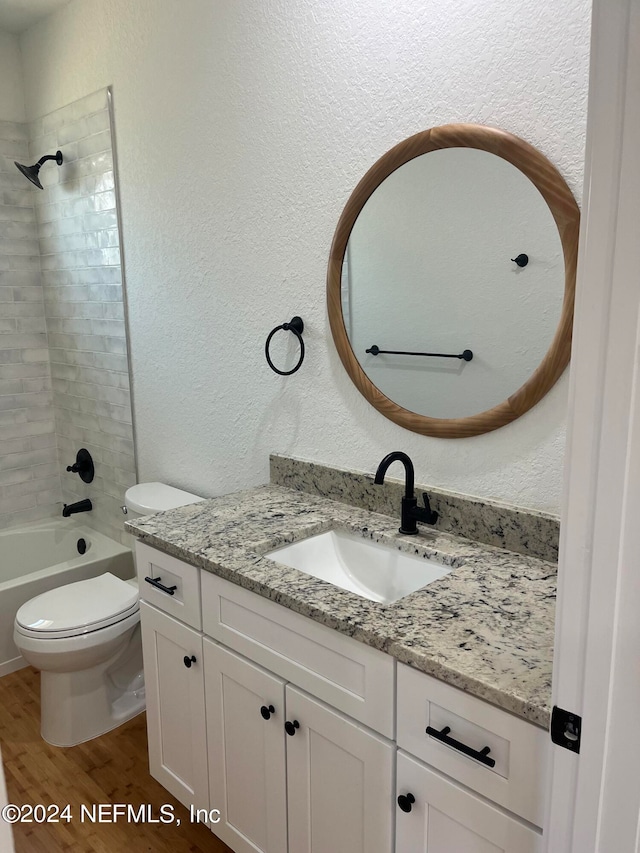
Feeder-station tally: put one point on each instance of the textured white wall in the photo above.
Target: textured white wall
(241, 130)
(11, 87)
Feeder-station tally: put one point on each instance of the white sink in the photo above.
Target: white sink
(367, 568)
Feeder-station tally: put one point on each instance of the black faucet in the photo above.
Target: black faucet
(410, 512)
(80, 506)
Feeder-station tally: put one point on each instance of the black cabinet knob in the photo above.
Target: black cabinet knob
(189, 660)
(405, 801)
(290, 727)
(267, 711)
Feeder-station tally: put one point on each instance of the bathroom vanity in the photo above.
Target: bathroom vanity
(314, 719)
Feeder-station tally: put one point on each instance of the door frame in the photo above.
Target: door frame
(594, 798)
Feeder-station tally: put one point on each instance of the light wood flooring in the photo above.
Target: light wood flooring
(110, 769)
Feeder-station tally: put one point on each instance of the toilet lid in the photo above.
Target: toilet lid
(78, 608)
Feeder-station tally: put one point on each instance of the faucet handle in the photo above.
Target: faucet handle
(432, 515)
(83, 466)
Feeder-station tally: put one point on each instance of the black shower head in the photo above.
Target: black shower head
(31, 172)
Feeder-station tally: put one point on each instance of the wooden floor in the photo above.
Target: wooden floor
(109, 769)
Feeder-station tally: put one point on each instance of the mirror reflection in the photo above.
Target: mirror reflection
(430, 268)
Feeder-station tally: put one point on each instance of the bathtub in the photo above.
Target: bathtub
(45, 555)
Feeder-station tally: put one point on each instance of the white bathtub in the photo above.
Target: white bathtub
(45, 555)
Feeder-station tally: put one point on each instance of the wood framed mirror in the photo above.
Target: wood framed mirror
(451, 280)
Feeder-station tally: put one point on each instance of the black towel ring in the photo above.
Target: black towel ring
(296, 326)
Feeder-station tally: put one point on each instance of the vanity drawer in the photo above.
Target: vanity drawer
(350, 676)
(183, 602)
(519, 749)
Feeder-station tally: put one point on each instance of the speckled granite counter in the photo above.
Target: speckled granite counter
(486, 628)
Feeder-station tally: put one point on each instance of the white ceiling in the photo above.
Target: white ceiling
(18, 15)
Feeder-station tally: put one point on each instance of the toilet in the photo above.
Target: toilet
(84, 638)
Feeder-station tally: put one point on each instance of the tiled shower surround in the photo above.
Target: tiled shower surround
(80, 281)
(29, 476)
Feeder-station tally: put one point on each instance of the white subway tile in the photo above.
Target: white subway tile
(36, 513)
(20, 262)
(9, 386)
(49, 496)
(24, 460)
(17, 214)
(12, 416)
(17, 131)
(15, 475)
(18, 503)
(98, 122)
(39, 442)
(16, 445)
(95, 144)
(103, 219)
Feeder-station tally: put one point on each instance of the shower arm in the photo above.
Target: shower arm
(47, 157)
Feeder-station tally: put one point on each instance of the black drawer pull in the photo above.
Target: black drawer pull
(479, 755)
(170, 590)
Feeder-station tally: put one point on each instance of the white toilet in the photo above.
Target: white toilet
(85, 640)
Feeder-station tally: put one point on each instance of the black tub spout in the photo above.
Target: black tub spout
(80, 506)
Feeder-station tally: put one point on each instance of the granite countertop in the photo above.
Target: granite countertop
(487, 627)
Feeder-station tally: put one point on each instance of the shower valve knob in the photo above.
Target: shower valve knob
(83, 466)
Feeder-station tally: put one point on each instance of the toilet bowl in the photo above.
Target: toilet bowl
(85, 640)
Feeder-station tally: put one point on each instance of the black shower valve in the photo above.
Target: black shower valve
(83, 466)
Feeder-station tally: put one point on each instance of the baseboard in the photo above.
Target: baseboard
(12, 665)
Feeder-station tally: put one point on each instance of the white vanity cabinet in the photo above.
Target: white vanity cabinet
(438, 816)
(246, 751)
(495, 766)
(313, 742)
(284, 766)
(322, 783)
(175, 706)
(171, 619)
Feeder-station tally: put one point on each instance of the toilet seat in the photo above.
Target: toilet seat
(78, 608)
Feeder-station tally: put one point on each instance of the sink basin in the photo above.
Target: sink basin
(358, 565)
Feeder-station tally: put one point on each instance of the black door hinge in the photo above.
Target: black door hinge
(566, 729)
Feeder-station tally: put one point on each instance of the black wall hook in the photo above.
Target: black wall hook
(295, 325)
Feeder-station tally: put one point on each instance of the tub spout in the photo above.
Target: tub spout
(80, 506)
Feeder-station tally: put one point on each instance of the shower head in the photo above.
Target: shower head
(31, 172)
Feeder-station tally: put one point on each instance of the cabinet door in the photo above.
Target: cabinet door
(246, 752)
(443, 818)
(175, 706)
(339, 782)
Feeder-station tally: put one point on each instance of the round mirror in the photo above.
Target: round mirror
(451, 280)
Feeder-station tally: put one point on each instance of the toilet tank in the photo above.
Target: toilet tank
(147, 498)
